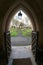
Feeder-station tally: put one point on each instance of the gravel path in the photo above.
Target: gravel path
(20, 40)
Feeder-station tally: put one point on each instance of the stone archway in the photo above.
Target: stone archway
(30, 10)
(33, 9)
(13, 10)
(26, 9)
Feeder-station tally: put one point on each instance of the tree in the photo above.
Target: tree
(15, 22)
(21, 25)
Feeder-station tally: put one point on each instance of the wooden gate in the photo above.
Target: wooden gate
(35, 43)
(7, 45)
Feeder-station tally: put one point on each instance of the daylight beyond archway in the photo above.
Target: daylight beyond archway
(20, 29)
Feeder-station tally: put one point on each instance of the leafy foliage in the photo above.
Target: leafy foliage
(13, 32)
(26, 32)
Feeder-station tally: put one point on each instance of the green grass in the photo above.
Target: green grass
(26, 32)
(13, 32)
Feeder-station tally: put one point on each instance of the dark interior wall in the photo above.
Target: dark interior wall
(40, 32)
(25, 10)
(35, 5)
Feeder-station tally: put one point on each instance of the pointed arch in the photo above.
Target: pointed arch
(26, 9)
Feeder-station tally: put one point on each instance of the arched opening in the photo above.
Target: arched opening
(31, 15)
(34, 10)
(21, 30)
(16, 44)
(11, 12)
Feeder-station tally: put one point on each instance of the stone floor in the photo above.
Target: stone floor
(21, 49)
(21, 52)
(26, 61)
